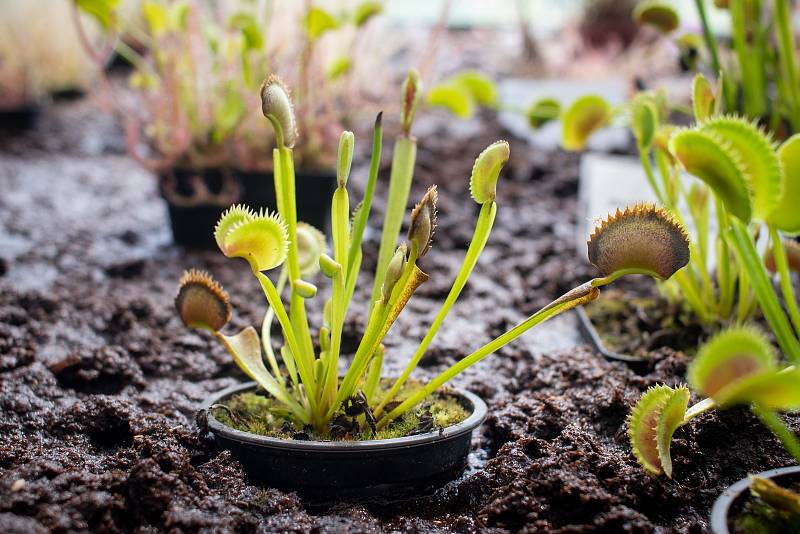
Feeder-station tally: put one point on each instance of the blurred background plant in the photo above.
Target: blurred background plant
(41, 54)
(198, 76)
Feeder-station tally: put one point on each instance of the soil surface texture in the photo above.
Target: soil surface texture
(100, 381)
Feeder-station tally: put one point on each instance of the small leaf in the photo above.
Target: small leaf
(262, 240)
(228, 114)
(702, 98)
(318, 21)
(543, 111)
(307, 290)
(756, 156)
(394, 271)
(201, 302)
(339, 67)
(644, 120)
(706, 157)
(657, 13)
(365, 11)
(310, 247)
(245, 348)
(643, 238)
(729, 356)
(247, 24)
(480, 87)
(453, 97)
(486, 171)
(650, 426)
(786, 215)
(584, 116)
(423, 222)
(277, 107)
(156, 16)
(345, 157)
(103, 11)
(178, 16)
(412, 90)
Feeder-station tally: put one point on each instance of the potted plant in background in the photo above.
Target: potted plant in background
(196, 84)
(733, 110)
(772, 504)
(369, 432)
(39, 57)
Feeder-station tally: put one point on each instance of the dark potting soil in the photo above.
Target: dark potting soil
(99, 381)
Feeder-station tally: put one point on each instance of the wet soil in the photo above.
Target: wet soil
(99, 381)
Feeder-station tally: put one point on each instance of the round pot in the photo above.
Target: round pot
(334, 470)
(197, 199)
(733, 497)
(593, 336)
(19, 119)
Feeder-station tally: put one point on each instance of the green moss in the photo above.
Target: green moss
(255, 413)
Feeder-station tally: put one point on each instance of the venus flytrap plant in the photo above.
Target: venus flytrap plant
(736, 367)
(639, 240)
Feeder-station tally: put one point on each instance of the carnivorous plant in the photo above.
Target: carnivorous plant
(641, 239)
(736, 367)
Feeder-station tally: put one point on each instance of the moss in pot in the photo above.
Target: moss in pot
(342, 415)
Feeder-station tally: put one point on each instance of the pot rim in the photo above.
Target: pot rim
(478, 415)
(590, 331)
(721, 508)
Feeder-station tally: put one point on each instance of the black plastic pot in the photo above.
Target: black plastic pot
(19, 119)
(734, 497)
(590, 333)
(334, 470)
(196, 199)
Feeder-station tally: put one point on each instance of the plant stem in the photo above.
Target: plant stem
(266, 328)
(576, 297)
(750, 262)
(751, 88)
(482, 230)
(711, 43)
(782, 264)
(700, 407)
(786, 51)
(306, 373)
(777, 426)
(340, 211)
(403, 159)
(360, 222)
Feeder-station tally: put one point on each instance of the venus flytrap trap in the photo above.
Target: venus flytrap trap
(307, 390)
(736, 367)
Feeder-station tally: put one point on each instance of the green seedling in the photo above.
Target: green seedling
(736, 367)
(308, 387)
